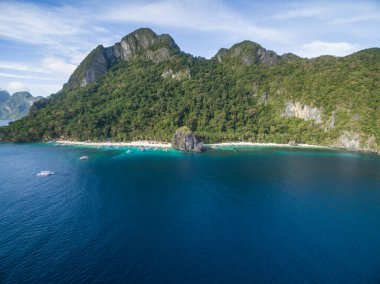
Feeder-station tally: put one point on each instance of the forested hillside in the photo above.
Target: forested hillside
(145, 88)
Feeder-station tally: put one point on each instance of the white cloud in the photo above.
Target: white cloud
(38, 89)
(16, 76)
(16, 86)
(317, 48)
(57, 65)
(303, 12)
(30, 23)
(20, 67)
(334, 12)
(57, 30)
(205, 16)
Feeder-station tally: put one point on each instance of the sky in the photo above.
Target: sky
(43, 41)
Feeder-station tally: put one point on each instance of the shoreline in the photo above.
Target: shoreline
(167, 145)
(163, 145)
(256, 144)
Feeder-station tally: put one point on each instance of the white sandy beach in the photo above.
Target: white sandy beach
(165, 145)
(226, 144)
(162, 145)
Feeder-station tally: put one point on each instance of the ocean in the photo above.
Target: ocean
(257, 215)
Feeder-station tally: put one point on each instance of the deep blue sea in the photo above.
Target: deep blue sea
(264, 215)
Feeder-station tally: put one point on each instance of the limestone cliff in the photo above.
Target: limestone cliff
(302, 111)
(142, 44)
(185, 140)
(16, 106)
(353, 141)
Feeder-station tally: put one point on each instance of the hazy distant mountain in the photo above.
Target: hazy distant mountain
(145, 87)
(15, 106)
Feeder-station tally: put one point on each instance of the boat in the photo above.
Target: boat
(141, 149)
(129, 151)
(83, 158)
(45, 173)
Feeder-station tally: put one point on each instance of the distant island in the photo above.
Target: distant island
(15, 106)
(145, 88)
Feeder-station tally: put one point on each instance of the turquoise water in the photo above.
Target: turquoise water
(262, 215)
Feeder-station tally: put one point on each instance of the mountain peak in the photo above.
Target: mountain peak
(142, 43)
(247, 53)
(4, 96)
(142, 34)
(15, 106)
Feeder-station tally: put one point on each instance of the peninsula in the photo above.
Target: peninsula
(144, 88)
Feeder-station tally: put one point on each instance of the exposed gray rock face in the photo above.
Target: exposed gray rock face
(349, 140)
(185, 140)
(185, 73)
(264, 98)
(370, 144)
(248, 53)
(304, 112)
(142, 43)
(330, 125)
(255, 88)
(97, 66)
(15, 106)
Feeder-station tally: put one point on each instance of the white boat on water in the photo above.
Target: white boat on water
(129, 151)
(45, 173)
(83, 158)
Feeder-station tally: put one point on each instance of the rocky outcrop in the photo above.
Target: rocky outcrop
(182, 74)
(97, 66)
(331, 123)
(185, 140)
(16, 106)
(142, 44)
(304, 112)
(264, 98)
(352, 141)
(349, 140)
(247, 53)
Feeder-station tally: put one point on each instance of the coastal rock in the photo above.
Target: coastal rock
(304, 112)
(370, 144)
(185, 140)
(349, 140)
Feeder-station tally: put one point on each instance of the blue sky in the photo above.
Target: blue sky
(41, 42)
